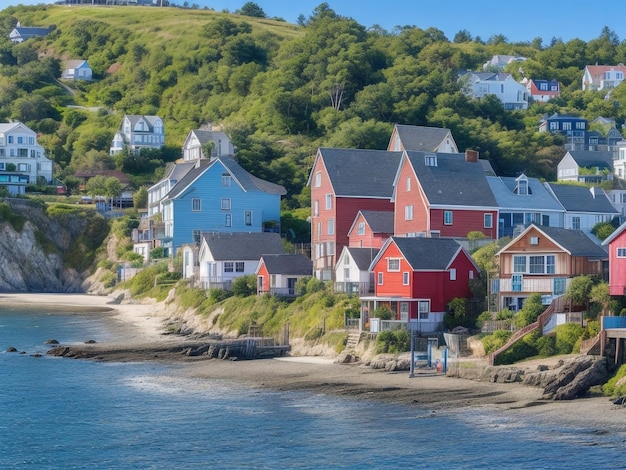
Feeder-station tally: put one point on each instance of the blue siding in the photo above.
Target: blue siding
(211, 217)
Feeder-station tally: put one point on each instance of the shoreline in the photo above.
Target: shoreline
(140, 336)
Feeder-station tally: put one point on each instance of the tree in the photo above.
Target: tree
(140, 198)
(602, 230)
(533, 307)
(579, 290)
(112, 188)
(251, 9)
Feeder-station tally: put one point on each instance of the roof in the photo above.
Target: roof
(204, 135)
(288, 264)
(135, 118)
(590, 159)
(362, 257)
(379, 221)
(539, 198)
(74, 63)
(8, 126)
(247, 182)
(242, 245)
(491, 76)
(361, 173)
(427, 254)
(29, 31)
(422, 138)
(453, 181)
(597, 71)
(575, 242)
(576, 198)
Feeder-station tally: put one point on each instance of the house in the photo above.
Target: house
(223, 257)
(174, 172)
(499, 61)
(502, 85)
(428, 139)
(618, 200)
(218, 196)
(352, 274)
(603, 135)
(278, 274)
(619, 164)
(22, 159)
(584, 206)
(542, 90)
(137, 132)
(198, 141)
(573, 129)
(416, 278)
(22, 33)
(584, 166)
(371, 229)
(344, 182)
(76, 70)
(443, 195)
(616, 245)
(603, 77)
(523, 201)
(544, 260)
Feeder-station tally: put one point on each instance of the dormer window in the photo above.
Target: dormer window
(522, 186)
(430, 160)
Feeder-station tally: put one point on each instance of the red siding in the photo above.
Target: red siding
(368, 239)
(617, 266)
(392, 281)
(414, 197)
(266, 278)
(463, 222)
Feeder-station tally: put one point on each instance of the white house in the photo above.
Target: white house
(22, 33)
(502, 85)
(603, 77)
(137, 132)
(619, 164)
(199, 140)
(22, 159)
(352, 274)
(76, 70)
(499, 61)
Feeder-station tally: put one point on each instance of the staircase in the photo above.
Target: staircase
(593, 346)
(353, 340)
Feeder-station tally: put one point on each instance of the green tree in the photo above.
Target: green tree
(251, 9)
(579, 290)
(533, 307)
(140, 198)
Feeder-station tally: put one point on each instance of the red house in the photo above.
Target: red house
(343, 182)
(278, 274)
(371, 229)
(617, 260)
(416, 278)
(443, 195)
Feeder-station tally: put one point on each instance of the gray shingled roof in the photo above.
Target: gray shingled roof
(422, 138)
(580, 198)
(589, 159)
(454, 181)
(538, 199)
(363, 257)
(379, 221)
(361, 173)
(243, 246)
(246, 180)
(434, 254)
(296, 265)
(574, 241)
(135, 118)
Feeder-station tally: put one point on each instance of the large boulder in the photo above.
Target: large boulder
(573, 379)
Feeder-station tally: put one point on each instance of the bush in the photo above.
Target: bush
(384, 313)
(505, 314)
(611, 389)
(567, 336)
(217, 295)
(495, 340)
(244, 286)
(393, 342)
(523, 349)
(483, 318)
(546, 346)
(157, 253)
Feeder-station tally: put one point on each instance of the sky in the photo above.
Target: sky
(561, 19)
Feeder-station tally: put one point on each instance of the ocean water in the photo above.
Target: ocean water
(58, 413)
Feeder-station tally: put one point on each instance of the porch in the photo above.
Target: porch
(406, 313)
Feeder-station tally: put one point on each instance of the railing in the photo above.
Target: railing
(495, 325)
(353, 323)
(360, 288)
(530, 284)
(215, 282)
(280, 291)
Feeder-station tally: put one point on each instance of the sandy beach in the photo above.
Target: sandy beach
(140, 336)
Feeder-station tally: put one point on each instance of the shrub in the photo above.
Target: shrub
(217, 295)
(533, 307)
(393, 342)
(484, 317)
(244, 286)
(611, 388)
(384, 313)
(566, 337)
(546, 346)
(505, 314)
(495, 340)
(157, 253)
(523, 349)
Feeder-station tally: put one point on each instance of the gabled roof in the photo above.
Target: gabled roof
(378, 221)
(30, 31)
(428, 139)
(9, 126)
(597, 71)
(425, 254)
(246, 181)
(74, 63)
(296, 265)
(362, 257)
(135, 118)
(538, 197)
(590, 159)
(360, 173)
(204, 135)
(491, 76)
(581, 198)
(242, 245)
(453, 181)
(574, 242)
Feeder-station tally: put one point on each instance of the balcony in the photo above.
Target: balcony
(359, 288)
(530, 284)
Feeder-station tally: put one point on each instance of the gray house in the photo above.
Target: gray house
(583, 166)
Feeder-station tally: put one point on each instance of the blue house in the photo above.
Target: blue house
(573, 128)
(523, 201)
(218, 195)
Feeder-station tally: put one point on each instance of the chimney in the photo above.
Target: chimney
(471, 156)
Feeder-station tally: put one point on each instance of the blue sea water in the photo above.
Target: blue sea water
(58, 413)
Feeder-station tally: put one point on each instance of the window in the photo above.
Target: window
(576, 223)
(393, 264)
(621, 252)
(239, 266)
(31, 141)
(408, 212)
(404, 311)
(580, 125)
(567, 126)
(380, 279)
(247, 217)
(408, 183)
(452, 274)
(554, 126)
(423, 307)
(405, 278)
(361, 228)
(519, 264)
(447, 217)
(430, 160)
(471, 274)
(534, 240)
(10, 139)
(195, 204)
(331, 226)
(550, 264)
(319, 230)
(226, 180)
(329, 201)
(318, 179)
(522, 187)
(229, 220)
(488, 223)
(229, 267)
(225, 204)
(536, 264)
(316, 207)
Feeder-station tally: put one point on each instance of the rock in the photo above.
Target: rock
(542, 367)
(90, 341)
(52, 341)
(347, 358)
(116, 300)
(575, 378)
(11, 349)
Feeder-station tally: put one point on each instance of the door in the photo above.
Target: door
(291, 285)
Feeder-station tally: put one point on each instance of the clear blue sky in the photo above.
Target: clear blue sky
(517, 21)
